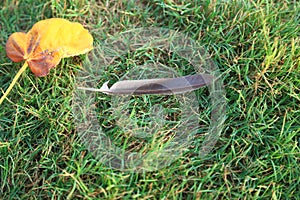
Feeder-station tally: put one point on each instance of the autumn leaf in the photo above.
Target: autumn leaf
(45, 45)
(47, 42)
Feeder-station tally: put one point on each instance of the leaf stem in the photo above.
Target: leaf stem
(17, 76)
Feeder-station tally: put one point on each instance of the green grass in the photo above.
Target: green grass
(256, 45)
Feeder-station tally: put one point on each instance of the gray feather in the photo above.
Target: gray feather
(166, 86)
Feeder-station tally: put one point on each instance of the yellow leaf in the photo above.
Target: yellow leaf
(47, 42)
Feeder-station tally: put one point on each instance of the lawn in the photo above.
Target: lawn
(255, 45)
